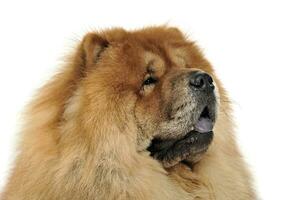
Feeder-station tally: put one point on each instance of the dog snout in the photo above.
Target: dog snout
(201, 81)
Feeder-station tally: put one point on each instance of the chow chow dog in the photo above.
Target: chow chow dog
(131, 115)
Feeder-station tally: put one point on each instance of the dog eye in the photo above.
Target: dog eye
(150, 80)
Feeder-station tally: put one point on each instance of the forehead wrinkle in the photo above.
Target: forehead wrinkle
(164, 54)
(154, 63)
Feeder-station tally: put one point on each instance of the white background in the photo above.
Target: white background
(255, 47)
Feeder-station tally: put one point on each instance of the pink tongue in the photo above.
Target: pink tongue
(204, 125)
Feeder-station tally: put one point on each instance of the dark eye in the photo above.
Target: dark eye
(150, 80)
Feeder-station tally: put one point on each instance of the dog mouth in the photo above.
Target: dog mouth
(201, 132)
(196, 140)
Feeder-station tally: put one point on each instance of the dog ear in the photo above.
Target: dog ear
(93, 45)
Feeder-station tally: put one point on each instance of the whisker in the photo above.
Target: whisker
(231, 101)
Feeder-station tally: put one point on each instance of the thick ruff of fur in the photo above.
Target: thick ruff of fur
(81, 140)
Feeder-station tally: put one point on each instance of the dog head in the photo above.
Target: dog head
(153, 78)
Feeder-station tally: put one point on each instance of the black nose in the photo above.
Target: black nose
(201, 81)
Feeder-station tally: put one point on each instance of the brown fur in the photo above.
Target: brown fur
(81, 139)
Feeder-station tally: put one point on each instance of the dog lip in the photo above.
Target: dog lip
(205, 137)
